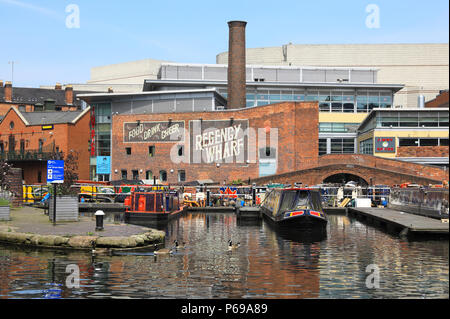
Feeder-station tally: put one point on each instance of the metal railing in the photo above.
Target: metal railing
(26, 155)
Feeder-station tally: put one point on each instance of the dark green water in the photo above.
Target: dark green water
(268, 264)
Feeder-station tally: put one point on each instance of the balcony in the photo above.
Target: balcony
(26, 155)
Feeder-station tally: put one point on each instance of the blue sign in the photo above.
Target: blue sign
(55, 171)
(103, 165)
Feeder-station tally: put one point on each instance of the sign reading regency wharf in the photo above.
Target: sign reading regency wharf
(211, 141)
(218, 141)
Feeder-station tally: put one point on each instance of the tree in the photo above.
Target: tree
(70, 173)
(5, 169)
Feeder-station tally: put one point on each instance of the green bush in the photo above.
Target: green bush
(4, 202)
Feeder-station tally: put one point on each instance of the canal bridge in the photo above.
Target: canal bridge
(365, 169)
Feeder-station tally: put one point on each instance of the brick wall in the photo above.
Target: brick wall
(422, 151)
(65, 136)
(297, 142)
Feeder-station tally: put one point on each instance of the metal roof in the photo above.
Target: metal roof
(149, 84)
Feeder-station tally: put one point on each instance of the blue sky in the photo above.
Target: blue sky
(46, 51)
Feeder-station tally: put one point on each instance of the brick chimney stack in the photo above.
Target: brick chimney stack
(58, 86)
(8, 91)
(236, 65)
(1, 83)
(69, 94)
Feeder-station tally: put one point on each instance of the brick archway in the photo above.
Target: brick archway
(366, 179)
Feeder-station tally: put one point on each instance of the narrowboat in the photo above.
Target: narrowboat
(149, 207)
(294, 208)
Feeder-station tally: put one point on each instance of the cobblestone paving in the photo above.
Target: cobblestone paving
(33, 220)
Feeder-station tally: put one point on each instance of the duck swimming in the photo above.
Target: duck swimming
(232, 246)
(163, 251)
(182, 246)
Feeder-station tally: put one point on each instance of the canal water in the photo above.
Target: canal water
(343, 263)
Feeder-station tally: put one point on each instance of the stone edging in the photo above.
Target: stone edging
(143, 240)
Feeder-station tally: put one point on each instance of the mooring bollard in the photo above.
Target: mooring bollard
(99, 220)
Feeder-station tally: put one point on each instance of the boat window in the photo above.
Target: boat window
(303, 201)
(288, 201)
(316, 201)
(159, 202)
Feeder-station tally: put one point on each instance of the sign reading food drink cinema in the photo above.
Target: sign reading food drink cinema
(218, 141)
(135, 132)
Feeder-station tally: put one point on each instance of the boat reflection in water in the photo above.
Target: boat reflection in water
(297, 210)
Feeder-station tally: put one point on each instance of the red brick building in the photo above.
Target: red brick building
(221, 145)
(29, 139)
(36, 99)
(440, 101)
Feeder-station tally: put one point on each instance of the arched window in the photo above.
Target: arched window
(163, 176)
(148, 175)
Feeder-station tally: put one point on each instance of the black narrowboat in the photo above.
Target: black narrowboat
(294, 208)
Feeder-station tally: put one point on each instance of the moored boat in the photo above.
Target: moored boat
(294, 208)
(152, 206)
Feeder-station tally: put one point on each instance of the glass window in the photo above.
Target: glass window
(362, 104)
(124, 174)
(408, 120)
(322, 146)
(443, 119)
(443, 142)
(298, 96)
(163, 176)
(151, 151)
(324, 96)
(429, 142)
(408, 142)
(336, 96)
(348, 97)
(287, 202)
(135, 174)
(336, 107)
(349, 107)
(128, 150)
(312, 96)
(342, 146)
(366, 146)
(385, 100)
(324, 107)
(428, 120)
(286, 95)
(148, 175)
(348, 146)
(303, 201)
(181, 176)
(325, 127)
